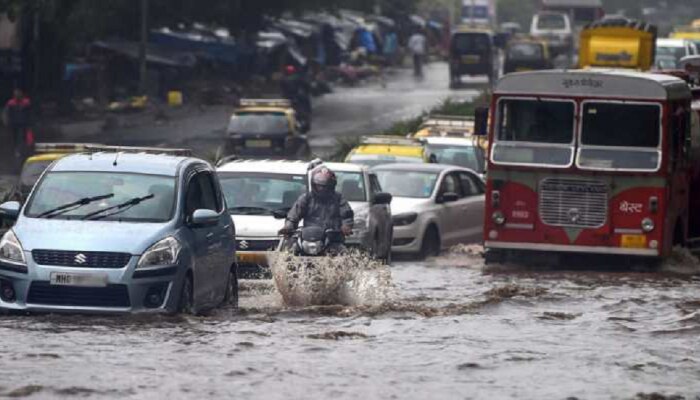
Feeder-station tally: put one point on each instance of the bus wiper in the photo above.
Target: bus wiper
(66, 208)
(119, 208)
(250, 210)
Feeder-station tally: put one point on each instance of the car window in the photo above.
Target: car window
(403, 183)
(374, 184)
(194, 199)
(470, 185)
(259, 123)
(352, 186)
(261, 193)
(450, 184)
(209, 194)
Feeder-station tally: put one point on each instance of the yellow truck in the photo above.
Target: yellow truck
(618, 43)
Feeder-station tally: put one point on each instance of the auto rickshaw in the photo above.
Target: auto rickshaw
(527, 55)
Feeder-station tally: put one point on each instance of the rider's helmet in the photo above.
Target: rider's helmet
(290, 70)
(323, 181)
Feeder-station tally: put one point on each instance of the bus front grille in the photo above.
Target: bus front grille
(573, 203)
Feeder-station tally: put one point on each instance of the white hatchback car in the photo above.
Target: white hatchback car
(459, 151)
(434, 207)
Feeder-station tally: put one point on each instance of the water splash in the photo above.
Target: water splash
(681, 261)
(351, 279)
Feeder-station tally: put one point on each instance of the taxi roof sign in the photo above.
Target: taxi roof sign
(283, 103)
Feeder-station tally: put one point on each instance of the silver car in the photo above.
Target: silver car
(434, 206)
(120, 232)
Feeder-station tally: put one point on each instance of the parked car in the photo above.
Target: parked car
(254, 191)
(555, 29)
(373, 230)
(265, 128)
(120, 232)
(463, 152)
(435, 206)
(527, 55)
(377, 150)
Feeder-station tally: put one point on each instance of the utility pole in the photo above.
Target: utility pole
(142, 48)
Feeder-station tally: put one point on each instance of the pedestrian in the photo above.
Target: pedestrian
(17, 118)
(417, 45)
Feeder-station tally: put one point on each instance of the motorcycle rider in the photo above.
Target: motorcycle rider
(322, 207)
(17, 116)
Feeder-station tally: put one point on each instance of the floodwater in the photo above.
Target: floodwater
(450, 328)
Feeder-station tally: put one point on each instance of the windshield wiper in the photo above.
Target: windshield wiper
(120, 208)
(55, 212)
(250, 210)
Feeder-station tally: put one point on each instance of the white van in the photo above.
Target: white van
(555, 29)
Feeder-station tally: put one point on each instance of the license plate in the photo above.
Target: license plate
(633, 241)
(252, 258)
(258, 143)
(66, 279)
(471, 59)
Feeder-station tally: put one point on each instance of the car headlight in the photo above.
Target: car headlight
(11, 249)
(312, 248)
(647, 225)
(361, 220)
(404, 219)
(163, 253)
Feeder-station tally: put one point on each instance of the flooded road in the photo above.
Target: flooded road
(454, 329)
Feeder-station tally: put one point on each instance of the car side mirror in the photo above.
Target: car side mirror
(448, 197)
(204, 218)
(281, 213)
(10, 210)
(481, 121)
(383, 198)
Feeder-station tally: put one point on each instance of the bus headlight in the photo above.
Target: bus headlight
(498, 218)
(647, 225)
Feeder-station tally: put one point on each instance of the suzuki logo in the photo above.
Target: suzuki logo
(244, 245)
(80, 258)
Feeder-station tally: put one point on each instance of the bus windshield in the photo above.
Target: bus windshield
(534, 132)
(620, 136)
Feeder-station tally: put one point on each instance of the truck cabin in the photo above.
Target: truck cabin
(589, 161)
(581, 12)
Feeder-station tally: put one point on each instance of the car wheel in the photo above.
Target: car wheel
(231, 297)
(187, 297)
(431, 244)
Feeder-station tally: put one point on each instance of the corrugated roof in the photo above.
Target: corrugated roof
(572, 3)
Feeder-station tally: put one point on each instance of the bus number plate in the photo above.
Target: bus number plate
(634, 241)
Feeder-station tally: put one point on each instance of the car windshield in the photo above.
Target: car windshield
(471, 43)
(677, 52)
(352, 186)
(471, 157)
(108, 189)
(31, 172)
(403, 183)
(258, 123)
(534, 132)
(261, 193)
(525, 51)
(372, 160)
(551, 21)
(620, 136)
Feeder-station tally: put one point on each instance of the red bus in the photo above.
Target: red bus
(591, 161)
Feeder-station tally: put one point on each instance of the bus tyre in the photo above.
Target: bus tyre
(431, 244)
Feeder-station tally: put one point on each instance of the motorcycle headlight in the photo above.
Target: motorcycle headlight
(312, 248)
(163, 253)
(11, 249)
(404, 219)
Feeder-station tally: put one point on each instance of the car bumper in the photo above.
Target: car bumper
(545, 247)
(407, 239)
(127, 290)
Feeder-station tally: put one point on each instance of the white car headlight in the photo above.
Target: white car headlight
(161, 254)
(11, 249)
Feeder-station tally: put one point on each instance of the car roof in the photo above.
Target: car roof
(346, 167)
(671, 42)
(416, 167)
(286, 167)
(264, 110)
(390, 149)
(137, 163)
(452, 141)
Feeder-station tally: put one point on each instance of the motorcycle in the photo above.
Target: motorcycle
(309, 268)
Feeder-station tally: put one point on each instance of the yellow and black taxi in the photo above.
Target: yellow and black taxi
(265, 128)
(377, 150)
(527, 55)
